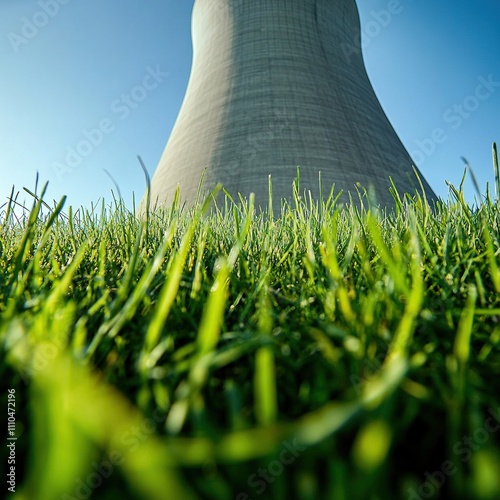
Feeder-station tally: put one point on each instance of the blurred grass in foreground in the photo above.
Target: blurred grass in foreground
(322, 352)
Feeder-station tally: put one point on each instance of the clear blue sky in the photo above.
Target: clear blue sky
(72, 73)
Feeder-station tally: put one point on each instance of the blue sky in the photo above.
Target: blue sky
(434, 65)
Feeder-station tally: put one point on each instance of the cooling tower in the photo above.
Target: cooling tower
(277, 84)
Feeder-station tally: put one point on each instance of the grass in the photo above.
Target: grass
(324, 352)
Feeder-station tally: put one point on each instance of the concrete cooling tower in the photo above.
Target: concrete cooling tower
(277, 84)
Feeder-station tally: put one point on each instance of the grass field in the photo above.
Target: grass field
(317, 352)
